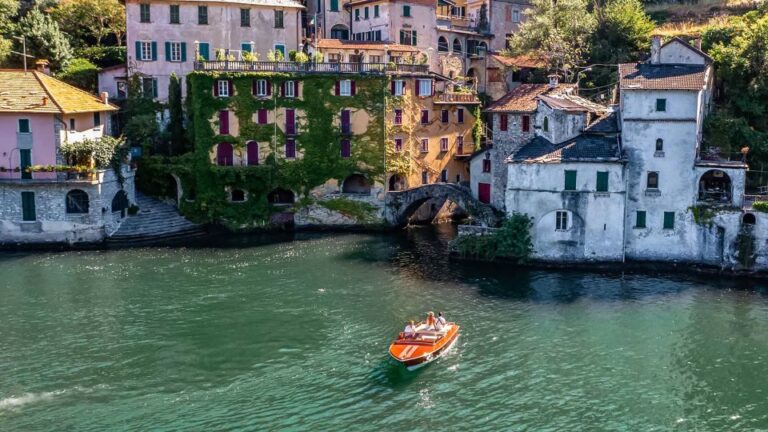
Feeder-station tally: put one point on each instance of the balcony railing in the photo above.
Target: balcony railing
(457, 98)
(309, 67)
(92, 134)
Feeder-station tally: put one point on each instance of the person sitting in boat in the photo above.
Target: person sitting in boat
(431, 321)
(410, 330)
(440, 323)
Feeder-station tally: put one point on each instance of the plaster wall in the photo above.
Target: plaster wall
(501, 19)
(108, 79)
(477, 175)
(677, 53)
(41, 140)
(562, 125)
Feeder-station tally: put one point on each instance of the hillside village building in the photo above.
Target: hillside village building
(41, 199)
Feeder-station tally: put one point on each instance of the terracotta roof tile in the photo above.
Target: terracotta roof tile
(37, 92)
(645, 76)
(523, 98)
(363, 45)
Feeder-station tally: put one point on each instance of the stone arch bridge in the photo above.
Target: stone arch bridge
(400, 205)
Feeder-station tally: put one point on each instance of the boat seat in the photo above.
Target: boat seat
(429, 337)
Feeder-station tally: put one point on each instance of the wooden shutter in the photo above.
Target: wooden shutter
(253, 153)
(392, 87)
(503, 122)
(338, 88)
(216, 88)
(295, 89)
(223, 122)
(282, 89)
(231, 88)
(346, 148)
(269, 87)
(224, 154)
(345, 126)
(640, 222)
(167, 51)
(290, 148)
(154, 51)
(204, 51)
(418, 88)
(570, 180)
(353, 87)
(138, 50)
(526, 123)
(28, 206)
(602, 181)
(290, 121)
(254, 87)
(183, 51)
(262, 116)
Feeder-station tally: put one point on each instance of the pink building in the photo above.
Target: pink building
(163, 37)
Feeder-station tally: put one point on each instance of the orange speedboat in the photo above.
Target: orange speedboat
(424, 346)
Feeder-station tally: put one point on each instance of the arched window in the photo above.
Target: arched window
(545, 126)
(237, 195)
(339, 32)
(356, 184)
(653, 180)
(748, 219)
(659, 145)
(442, 44)
(456, 46)
(252, 151)
(77, 201)
(224, 154)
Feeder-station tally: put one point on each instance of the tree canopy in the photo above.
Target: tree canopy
(96, 20)
(44, 38)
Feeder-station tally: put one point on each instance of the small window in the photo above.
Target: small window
(444, 116)
(460, 144)
(503, 120)
(425, 87)
(661, 105)
(570, 180)
(223, 88)
(659, 145)
(669, 220)
(526, 123)
(486, 165)
(561, 220)
(408, 37)
(278, 19)
(71, 124)
(345, 87)
(424, 145)
(443, 144)
(23, 125)
(376, 12)
(174, 53)
(146, 53)
(398, 145)
(237, 195)
(424, 117)
(290, 89)
(398, 117)
(398, 87)
(357, 14)
(653, 180)
(261, 87)
(444, 176)
(442, 44)
(245, 17)
(515, 16)
(96, 119)
(460, 115)
(640, 219)
(545, 125)
(366, 13)
(202, 15)
(406, 11)
(144, 15)
(174, 14)
(602, 181)
(149, 86)
(424, 177)
(77, 202)
(334, 6)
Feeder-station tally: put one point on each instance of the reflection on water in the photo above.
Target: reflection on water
(291, 332)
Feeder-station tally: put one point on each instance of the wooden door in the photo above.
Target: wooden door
(484, 192)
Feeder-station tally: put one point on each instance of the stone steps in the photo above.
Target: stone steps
(156, 222)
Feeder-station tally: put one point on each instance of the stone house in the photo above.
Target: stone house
(165, 38)
(41, 199)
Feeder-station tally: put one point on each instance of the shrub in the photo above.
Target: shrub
(511, 241)
(358, 210)
(103, 56)
(101, 152)
(80, 73)
(761, 206)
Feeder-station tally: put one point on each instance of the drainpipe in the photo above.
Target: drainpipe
(624, 230)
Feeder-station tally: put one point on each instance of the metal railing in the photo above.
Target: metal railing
(450, 97)
(309, 67)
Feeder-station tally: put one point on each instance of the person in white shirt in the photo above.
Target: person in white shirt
(410, 330)
(441, 322)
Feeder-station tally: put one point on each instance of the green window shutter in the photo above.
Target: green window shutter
(204, 52)
(570, 180)
(661, 104)
(402, 37)
(366, 12)
(640, 220)
(25, 160)
(413, 37)
(154, 87)
(167, 51)
(669, 220)
(183, 51)
(23, 125)
(406, 11)
(154, 51)
(245, 47)
(334, 5)
(138, 50)
(602, 181)
(376, 11)
(28, 206)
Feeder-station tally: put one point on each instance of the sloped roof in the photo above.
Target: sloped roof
(36, 92)
(645, 76)
(608, 123)
(583, 148)
(363, 45)
(571, 103)
(523, 98)
(676, 39)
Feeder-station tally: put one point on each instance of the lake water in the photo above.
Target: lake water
(292, 334)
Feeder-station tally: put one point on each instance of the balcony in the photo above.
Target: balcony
(93, 134)
(456, 98)
(310, 67)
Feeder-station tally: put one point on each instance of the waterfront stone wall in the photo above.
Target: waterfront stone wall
(318, 214)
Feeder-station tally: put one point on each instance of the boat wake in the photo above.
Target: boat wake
(14, 402)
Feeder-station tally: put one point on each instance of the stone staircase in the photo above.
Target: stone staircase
(156, 223)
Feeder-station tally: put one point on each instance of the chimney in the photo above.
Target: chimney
(554, 80)
(41, 65)
(104, 96)
(655, 49)
(45, 100)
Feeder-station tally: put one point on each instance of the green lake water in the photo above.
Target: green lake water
(292, 334)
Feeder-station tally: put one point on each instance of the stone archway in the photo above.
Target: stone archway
(120, 203)
(356, 184)
(715, 187)
(281, 196)
(401, 205)
(396, 183)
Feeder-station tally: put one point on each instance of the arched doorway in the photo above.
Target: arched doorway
(356, 184)
(120, 203)
(224, 154)
(715, 187)
(340, 32)
(396, 183)
(281, 196)
(749, 219)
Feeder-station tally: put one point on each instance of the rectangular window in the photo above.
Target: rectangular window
(222, 87)
(149, 86)
(204, 51)
(424, 145)
(443, 144)
(424, 87)
(25, 161)
(24, 126)
(334, 5)
(515, 16)
(398, 87)
(202, 15)
(602, 181)
(261, 116)
(174, 14)
(261, 87)
(28, 213)
(145, 51)
(653, 180)
(357, 14)
(278, 19)
(503, 122)
(486, 165)
(406, 11)
(290, 121)
(444, 176)
(408, 37)
(245, 17)
(398, 117)
(96, 119)
(290, 89)
(223, 122)
(640, 219)
(561, 220)
(281, 48)
(374, 59)
(460, 115)
(345, 88)
(366, 13)
(444, 116)
(460, 144)
(346, 148)
(346, 127)
(398, 145)
(661, 104)
(174, 51)
(424, 117)
(424, 177)
(376, 12)
(72, 124)
(570, 180)
(144, 15)
(526, 123)
(669, 220)
(290, 148)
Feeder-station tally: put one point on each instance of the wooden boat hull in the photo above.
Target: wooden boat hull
(414, 354)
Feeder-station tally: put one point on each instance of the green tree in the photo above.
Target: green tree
(176, 133)
(91, 20)
(80, 73)
(44, 39)
(559, 31)
(8, 10)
